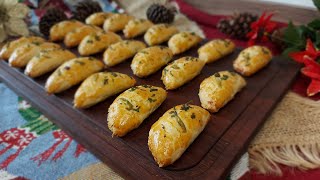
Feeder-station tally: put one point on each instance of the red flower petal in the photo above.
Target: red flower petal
(310, 48)
(298, 56)
(313, 88)
(310, 72)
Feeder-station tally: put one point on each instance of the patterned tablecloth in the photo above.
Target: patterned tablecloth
(31, 147)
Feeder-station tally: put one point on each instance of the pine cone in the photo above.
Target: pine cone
(84, 9)
(277, 37)
(50, 18)
(238, 25)
(158, 13)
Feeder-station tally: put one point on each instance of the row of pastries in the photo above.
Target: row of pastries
(171, 135)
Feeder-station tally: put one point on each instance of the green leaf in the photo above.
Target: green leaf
(317, 3)
(286, 52)
(317, 39)
(292, 35)
(315, 24)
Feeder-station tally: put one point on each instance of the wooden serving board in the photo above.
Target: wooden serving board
(211, 155)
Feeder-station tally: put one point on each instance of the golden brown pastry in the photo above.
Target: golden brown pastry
(216, 49)
(100, 86)
(23, 54)
(183, 41)
(218, 89)
(252, 59)
(96, 43)
(136, 27)
(47, 61)
(159, 33)
(181, 71)
(60, 30)
(116, 22)
(150, 60)
(132, 107)
(120, 51)
(173, 133)
(73, 38)
(8, 48)
(71, 73)
(97, 19)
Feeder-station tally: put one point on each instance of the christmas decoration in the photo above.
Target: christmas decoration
(158, 13)
(261, 29)
(311, 67)
(84, 9)
(50, 18)
(12, 16)
(238, 25)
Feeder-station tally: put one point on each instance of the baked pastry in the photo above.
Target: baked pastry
(116, 22)
(136, 27)
(60, 30)
(183, 41)
(47, 61)
(218, 89)
(95, 43)
(216, 49)
(252, 59)
(71, 73)
(132, 107)
(181, 71)
(100, 86)
(23, 54)
(8, 48)
(73, 38)
(150, 60)
(175, 130)
(97, 19)
(159, 33)
(120, 51)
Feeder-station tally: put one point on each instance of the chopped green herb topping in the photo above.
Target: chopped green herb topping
(79, 62)
(130, 106)
(151, 100)
(114, 74)
(97, 38)
(217, 74)
(175, 66)
(224, 77)
(153, 89)
(193, 116)
(105, 81)
(132, 89)
(174, 114)
(89, 41)
(185, 107)
(264, 50)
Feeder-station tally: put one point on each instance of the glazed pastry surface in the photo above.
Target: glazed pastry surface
(60, 30)
(159, 33)
(120, 51)
(100, 86)
(9, 47)
(136, 27)
(97, 19)
(173, 133)
(216, 49)
(150, 60)
(116, 22)
(181, 71)
(23, 54)
(71, 73)
(47, 61)
(252, 59)
(183, 41)
(218, 89)
(74, 37)
(96, 43)
(132, 107)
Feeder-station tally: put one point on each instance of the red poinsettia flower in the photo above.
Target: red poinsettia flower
(261, 29)
(312, 68)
